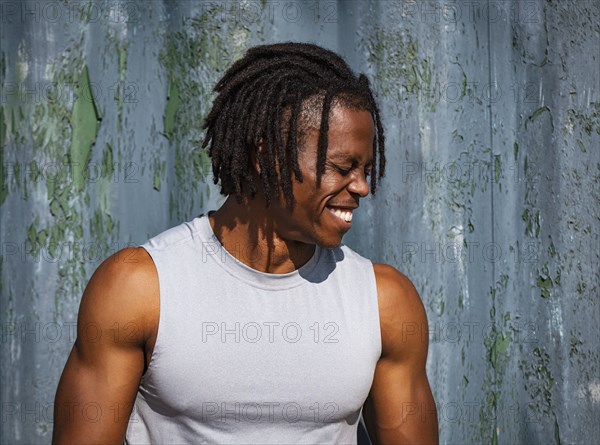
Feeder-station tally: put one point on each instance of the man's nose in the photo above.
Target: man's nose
(359, 184)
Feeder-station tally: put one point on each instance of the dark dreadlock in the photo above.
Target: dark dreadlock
(266, 90)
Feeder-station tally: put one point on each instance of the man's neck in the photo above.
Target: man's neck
(248, 233)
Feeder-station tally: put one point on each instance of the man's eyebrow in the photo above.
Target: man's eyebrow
(350, 158)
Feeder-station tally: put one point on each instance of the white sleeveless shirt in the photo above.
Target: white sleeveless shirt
(246, 357)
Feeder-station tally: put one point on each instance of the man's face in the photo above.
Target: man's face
(322, 215)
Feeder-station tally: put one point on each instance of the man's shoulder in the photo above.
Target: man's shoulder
(400, 307)
(395, 287)
(128, 266)
(392, 278)
(129, 270)
(123, 289)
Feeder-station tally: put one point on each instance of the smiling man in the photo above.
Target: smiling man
(254, 323)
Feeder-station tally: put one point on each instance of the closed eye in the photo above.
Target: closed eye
(343, 171)
(346, 171)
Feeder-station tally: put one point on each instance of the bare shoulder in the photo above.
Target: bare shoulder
(117, 315)
(131, 267)
(122, 296)
(397, 294)
(402, 315)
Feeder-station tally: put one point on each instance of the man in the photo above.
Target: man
(254, 324)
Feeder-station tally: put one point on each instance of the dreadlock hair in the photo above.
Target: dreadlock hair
(262, 100)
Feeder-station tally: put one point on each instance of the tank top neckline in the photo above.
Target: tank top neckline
(213, 250)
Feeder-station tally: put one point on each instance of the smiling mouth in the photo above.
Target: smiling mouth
(343, 214)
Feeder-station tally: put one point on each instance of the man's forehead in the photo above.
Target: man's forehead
(311, 110)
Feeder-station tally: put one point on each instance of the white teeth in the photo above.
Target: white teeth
(345, 215)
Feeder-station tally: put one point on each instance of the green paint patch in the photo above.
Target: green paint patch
(100, 224)
(537, 113)
(2, 128)
(497, 343)
(532, 220)
(456, 137)
(120, 93)
(61, 134)
(3, 166)
(497, 168)
(85, 124)
(36, 239)
(108, 163)
(399, 68)
(539, 381)
(539, 384)
(464, 80)
(202, 165)
(173, 105)
(454, 231)
(56, 210)
(574, 344)
(588, 120)
(194, 58)
(552, 248)
(516, 151)
(557, 278)
(499, 347)
(545, 284)
(157, 175)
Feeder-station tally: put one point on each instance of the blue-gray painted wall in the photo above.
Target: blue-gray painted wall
(490, 203)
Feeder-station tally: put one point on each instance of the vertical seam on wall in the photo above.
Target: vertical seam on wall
(491, 172)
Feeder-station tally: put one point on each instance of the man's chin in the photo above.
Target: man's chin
(330, 244)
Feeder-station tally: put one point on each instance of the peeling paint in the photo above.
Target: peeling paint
(85, 123)
(537, 113)
(531, 373)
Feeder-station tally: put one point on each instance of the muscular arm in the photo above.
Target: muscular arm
(117, 317)
(400, 408)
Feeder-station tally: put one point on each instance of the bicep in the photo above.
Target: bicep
(400, 406)
(94, 399)
(99, 383)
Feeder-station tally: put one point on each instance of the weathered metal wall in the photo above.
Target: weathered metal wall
(490, 205)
